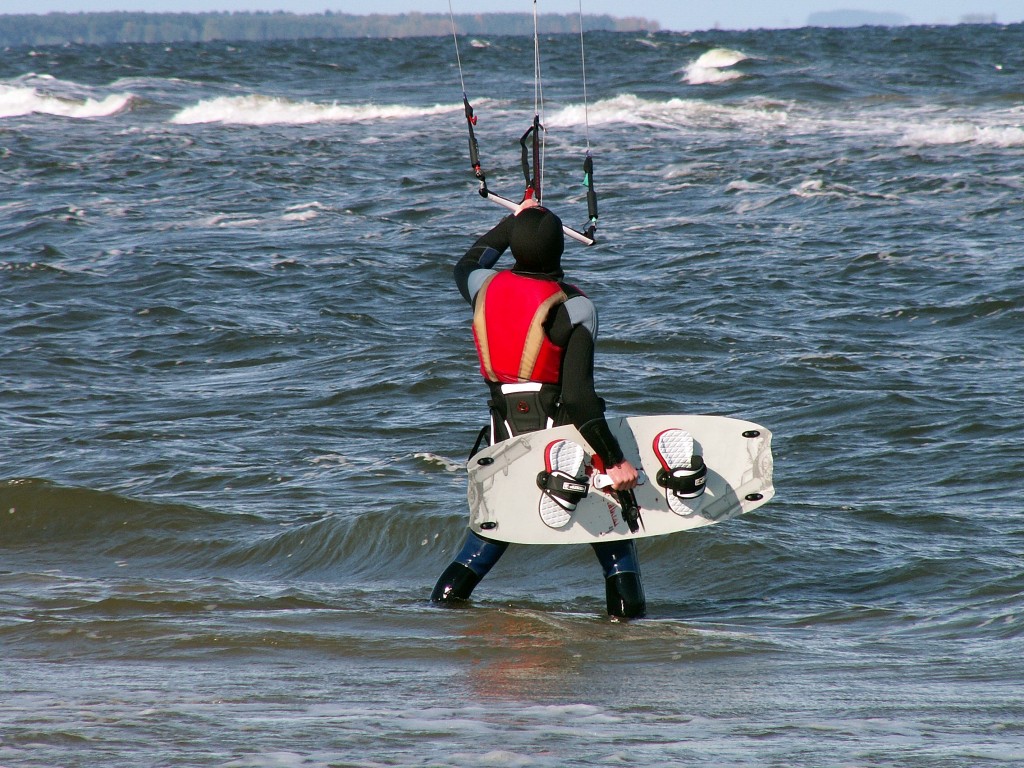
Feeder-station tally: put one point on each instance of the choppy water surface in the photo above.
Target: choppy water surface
(238, 389)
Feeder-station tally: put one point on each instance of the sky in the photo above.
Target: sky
(679, 15)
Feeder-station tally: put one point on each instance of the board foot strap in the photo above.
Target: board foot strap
(683, 474)
(563, 482)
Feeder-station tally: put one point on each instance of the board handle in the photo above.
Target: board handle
(602, 481)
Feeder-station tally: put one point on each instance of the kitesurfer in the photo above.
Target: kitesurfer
(538, 330)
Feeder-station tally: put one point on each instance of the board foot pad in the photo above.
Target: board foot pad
(674, 449)
(566, 457)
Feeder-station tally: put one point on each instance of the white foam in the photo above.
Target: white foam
(712, 67)
(314, 205)
(304, 211)
(939, 134)
(255, 109)
(625, 109)
(331, 459)
(503, 757)
(721, 57)
(446, 464)
(16, 101)
(912, 126)
(229, 221)
(670, 113)
(743, 186)
(306, 215)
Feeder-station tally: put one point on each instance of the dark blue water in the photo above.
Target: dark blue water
(238, 386)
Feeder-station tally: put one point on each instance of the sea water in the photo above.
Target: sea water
(239, 386)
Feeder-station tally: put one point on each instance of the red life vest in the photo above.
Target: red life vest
(508, 327)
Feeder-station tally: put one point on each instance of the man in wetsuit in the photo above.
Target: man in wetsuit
(535, 339)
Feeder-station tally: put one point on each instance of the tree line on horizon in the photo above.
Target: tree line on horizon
(144, 27)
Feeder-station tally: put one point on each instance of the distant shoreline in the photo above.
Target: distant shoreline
(131, 27)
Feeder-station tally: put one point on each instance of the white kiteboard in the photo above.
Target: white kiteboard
(547, 487)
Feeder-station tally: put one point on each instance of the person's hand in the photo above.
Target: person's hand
(623, 475)
(529, 202)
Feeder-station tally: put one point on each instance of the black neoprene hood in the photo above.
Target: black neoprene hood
(537, 241)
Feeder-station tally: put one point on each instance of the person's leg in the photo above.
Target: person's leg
(477, 556)
(624, 591)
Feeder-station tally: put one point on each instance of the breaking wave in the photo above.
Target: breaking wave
(271, 110)
(17, 101)
(714, 66)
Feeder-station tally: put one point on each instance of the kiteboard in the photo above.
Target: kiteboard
(548, 487)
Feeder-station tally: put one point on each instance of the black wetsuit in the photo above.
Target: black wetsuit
(571, 325)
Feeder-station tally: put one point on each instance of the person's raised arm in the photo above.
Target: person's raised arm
(486, 251)
(483, 254)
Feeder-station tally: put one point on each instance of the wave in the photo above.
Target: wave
(674, 113)
(255, 109)
(911, 126)
(77, 524)
(190, 557)
(713, 67)
(368, 541)
(942, 134)
(416, 537)
(37, 512)
(17, 101)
